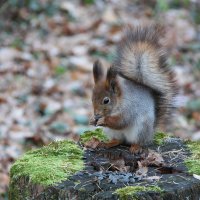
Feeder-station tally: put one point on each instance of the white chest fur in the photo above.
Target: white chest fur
(129, 135)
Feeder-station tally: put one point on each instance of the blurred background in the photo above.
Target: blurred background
(47, 49)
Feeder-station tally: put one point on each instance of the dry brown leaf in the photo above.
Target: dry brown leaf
(93, 143)
(153, 159)
(2, 100)
(142, 170)
(196, 116)
(109, 15)
(119, 165)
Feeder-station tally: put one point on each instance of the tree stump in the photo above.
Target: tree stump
(112, 173)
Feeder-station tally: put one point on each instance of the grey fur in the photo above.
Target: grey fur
(138, 110)
(146, 84)
(148, 67)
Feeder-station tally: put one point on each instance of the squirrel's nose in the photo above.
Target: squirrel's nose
(97, 117)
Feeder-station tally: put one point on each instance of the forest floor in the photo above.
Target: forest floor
(46, 56)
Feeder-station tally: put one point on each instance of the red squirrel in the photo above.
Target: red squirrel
(135, 94)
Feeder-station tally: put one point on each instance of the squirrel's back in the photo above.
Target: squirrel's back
(142, 59)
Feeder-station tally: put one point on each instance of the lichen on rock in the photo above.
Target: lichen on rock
(131, 192)
(50, 164)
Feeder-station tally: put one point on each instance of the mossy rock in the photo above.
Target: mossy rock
(62, 170)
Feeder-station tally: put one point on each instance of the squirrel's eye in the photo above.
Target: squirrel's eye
(106, 100)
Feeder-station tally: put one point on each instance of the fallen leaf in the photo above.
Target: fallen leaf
(119, 165)
(109, 15)
(2, 100)
(142, 170)
(93, 143)
(153, 159)
(196, 116)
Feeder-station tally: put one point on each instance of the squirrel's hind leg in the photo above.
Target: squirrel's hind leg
(141, 136)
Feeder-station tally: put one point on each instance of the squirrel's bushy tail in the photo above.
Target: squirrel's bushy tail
(142, 59)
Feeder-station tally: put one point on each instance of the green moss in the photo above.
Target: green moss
(133, 191)
(160, 137)
(50, 164)
(193, 162)
(97, 133)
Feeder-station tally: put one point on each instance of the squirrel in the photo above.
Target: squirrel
(135, 94)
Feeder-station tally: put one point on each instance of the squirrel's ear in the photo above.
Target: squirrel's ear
(98, 72)
(112, 81)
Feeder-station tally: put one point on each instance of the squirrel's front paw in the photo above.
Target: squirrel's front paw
(101, 122)
(92, 121)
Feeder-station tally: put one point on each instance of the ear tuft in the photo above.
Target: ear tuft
(112, 81)
(98, 72)
(111, 74)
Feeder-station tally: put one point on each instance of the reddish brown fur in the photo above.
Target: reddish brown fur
(114, 122)
(102, 89)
